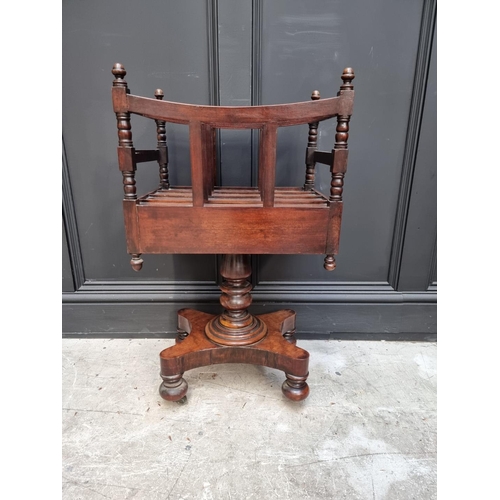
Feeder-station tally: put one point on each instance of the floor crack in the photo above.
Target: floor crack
(178, 477)
(118, 412)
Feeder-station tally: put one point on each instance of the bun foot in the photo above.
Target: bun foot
(173, 388)
(295, 388)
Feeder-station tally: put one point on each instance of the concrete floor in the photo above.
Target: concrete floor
(367, 430)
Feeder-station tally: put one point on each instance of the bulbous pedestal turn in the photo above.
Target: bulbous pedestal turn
(235, 326)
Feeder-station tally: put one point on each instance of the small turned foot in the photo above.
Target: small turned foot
(295, 388)
(330, 263)
(136, 262)
(173, 388)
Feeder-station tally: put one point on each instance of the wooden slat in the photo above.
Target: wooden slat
(234, 201)
(196, 151)
(299, 201)
(267, 163)
(208, 160)
(247, 204)
(239, 196)
(295, 194)
(172, 199)
(294, 205)
(213, 162)
(236, 196)
(172, 194)
(236, 191)
(320, 195)
(234, 188)
(223, 199)
(168, 202)
(176, 189)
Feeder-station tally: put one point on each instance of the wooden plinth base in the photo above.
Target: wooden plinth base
(222, 333)
(194, 349)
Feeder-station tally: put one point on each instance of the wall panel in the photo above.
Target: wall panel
(259, 52)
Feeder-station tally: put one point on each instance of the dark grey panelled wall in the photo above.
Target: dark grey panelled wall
(249, 53)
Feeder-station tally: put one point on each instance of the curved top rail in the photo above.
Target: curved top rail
(242, 116)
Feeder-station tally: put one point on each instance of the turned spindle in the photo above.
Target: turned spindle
(312, 144)
(341, 136)
(124, 137)
(161, 133)
(235, 326)
(337, 184)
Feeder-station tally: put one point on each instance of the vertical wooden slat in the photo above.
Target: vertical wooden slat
(196, 152)
(206, 160)
(209, 155)
(267, 163)
(214, 142)
(260, 177)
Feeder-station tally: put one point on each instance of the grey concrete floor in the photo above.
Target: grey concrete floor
(367, 430)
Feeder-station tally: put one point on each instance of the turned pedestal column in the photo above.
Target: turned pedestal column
(235, 326)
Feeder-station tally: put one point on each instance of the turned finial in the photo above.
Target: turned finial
(315, 95)
(159, 94)
(119, 73)
(347, 77)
